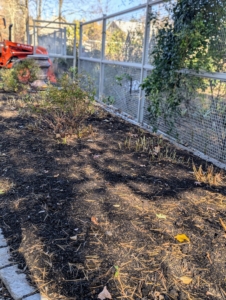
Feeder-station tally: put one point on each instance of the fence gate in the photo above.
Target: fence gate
(59, 38)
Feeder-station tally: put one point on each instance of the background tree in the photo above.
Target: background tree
(115, 43)
(16, 13)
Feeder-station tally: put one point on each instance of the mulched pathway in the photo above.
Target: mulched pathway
(82, 214)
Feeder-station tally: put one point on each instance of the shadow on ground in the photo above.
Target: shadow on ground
(86, 214)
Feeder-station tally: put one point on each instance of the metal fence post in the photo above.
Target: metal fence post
(55, 39)
(80, 47)
(65, 42)
(101, 83)
(74, 49)
(34, 42)
(144, 61)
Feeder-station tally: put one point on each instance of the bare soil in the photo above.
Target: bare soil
(81, 214)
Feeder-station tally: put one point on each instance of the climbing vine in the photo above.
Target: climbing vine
(192, 37)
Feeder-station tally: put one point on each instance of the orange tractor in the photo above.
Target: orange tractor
(11, 53)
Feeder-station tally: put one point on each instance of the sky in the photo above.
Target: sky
(83, 9)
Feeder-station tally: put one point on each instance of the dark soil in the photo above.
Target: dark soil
(93, 212)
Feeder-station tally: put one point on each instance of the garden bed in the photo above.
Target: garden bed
(81, 214)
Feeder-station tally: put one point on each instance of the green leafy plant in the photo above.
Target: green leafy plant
(117, 271)
(9, 82)
(11, 78)
(63, 109)
(119, 78)
(110, 100)
(155, 148)
(21, 67)
(189, 38)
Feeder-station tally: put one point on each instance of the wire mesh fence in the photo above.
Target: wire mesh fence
(93, 70)
(121, 88)
(119, 57)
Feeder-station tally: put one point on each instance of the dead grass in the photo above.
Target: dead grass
(210, 176)
(136, 224)
(5, 184)
(39, 262)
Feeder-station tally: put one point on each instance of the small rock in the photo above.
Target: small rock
(39, 84)
(109, 233)
(173, 294)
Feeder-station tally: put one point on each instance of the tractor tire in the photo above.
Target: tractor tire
(24, 75)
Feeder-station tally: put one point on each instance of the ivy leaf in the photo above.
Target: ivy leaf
(182, 238)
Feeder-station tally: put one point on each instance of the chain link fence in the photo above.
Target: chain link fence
(116, 51)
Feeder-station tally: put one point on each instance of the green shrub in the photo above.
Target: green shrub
(64, 108)
(8, 81)
(11, 77)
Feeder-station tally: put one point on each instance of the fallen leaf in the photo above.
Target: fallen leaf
(161, 216)
(94, 220)
(116, 205)
(74, 238)
(104, 294)
(182, 238)
(186, 279)
(117, 271)
(1, 192)
(222, 224)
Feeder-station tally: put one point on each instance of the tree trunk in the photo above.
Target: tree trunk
(39, 16)
(60, 11)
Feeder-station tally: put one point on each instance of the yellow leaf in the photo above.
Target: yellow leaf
(182, 238)
(161, 216)
(186, 279)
